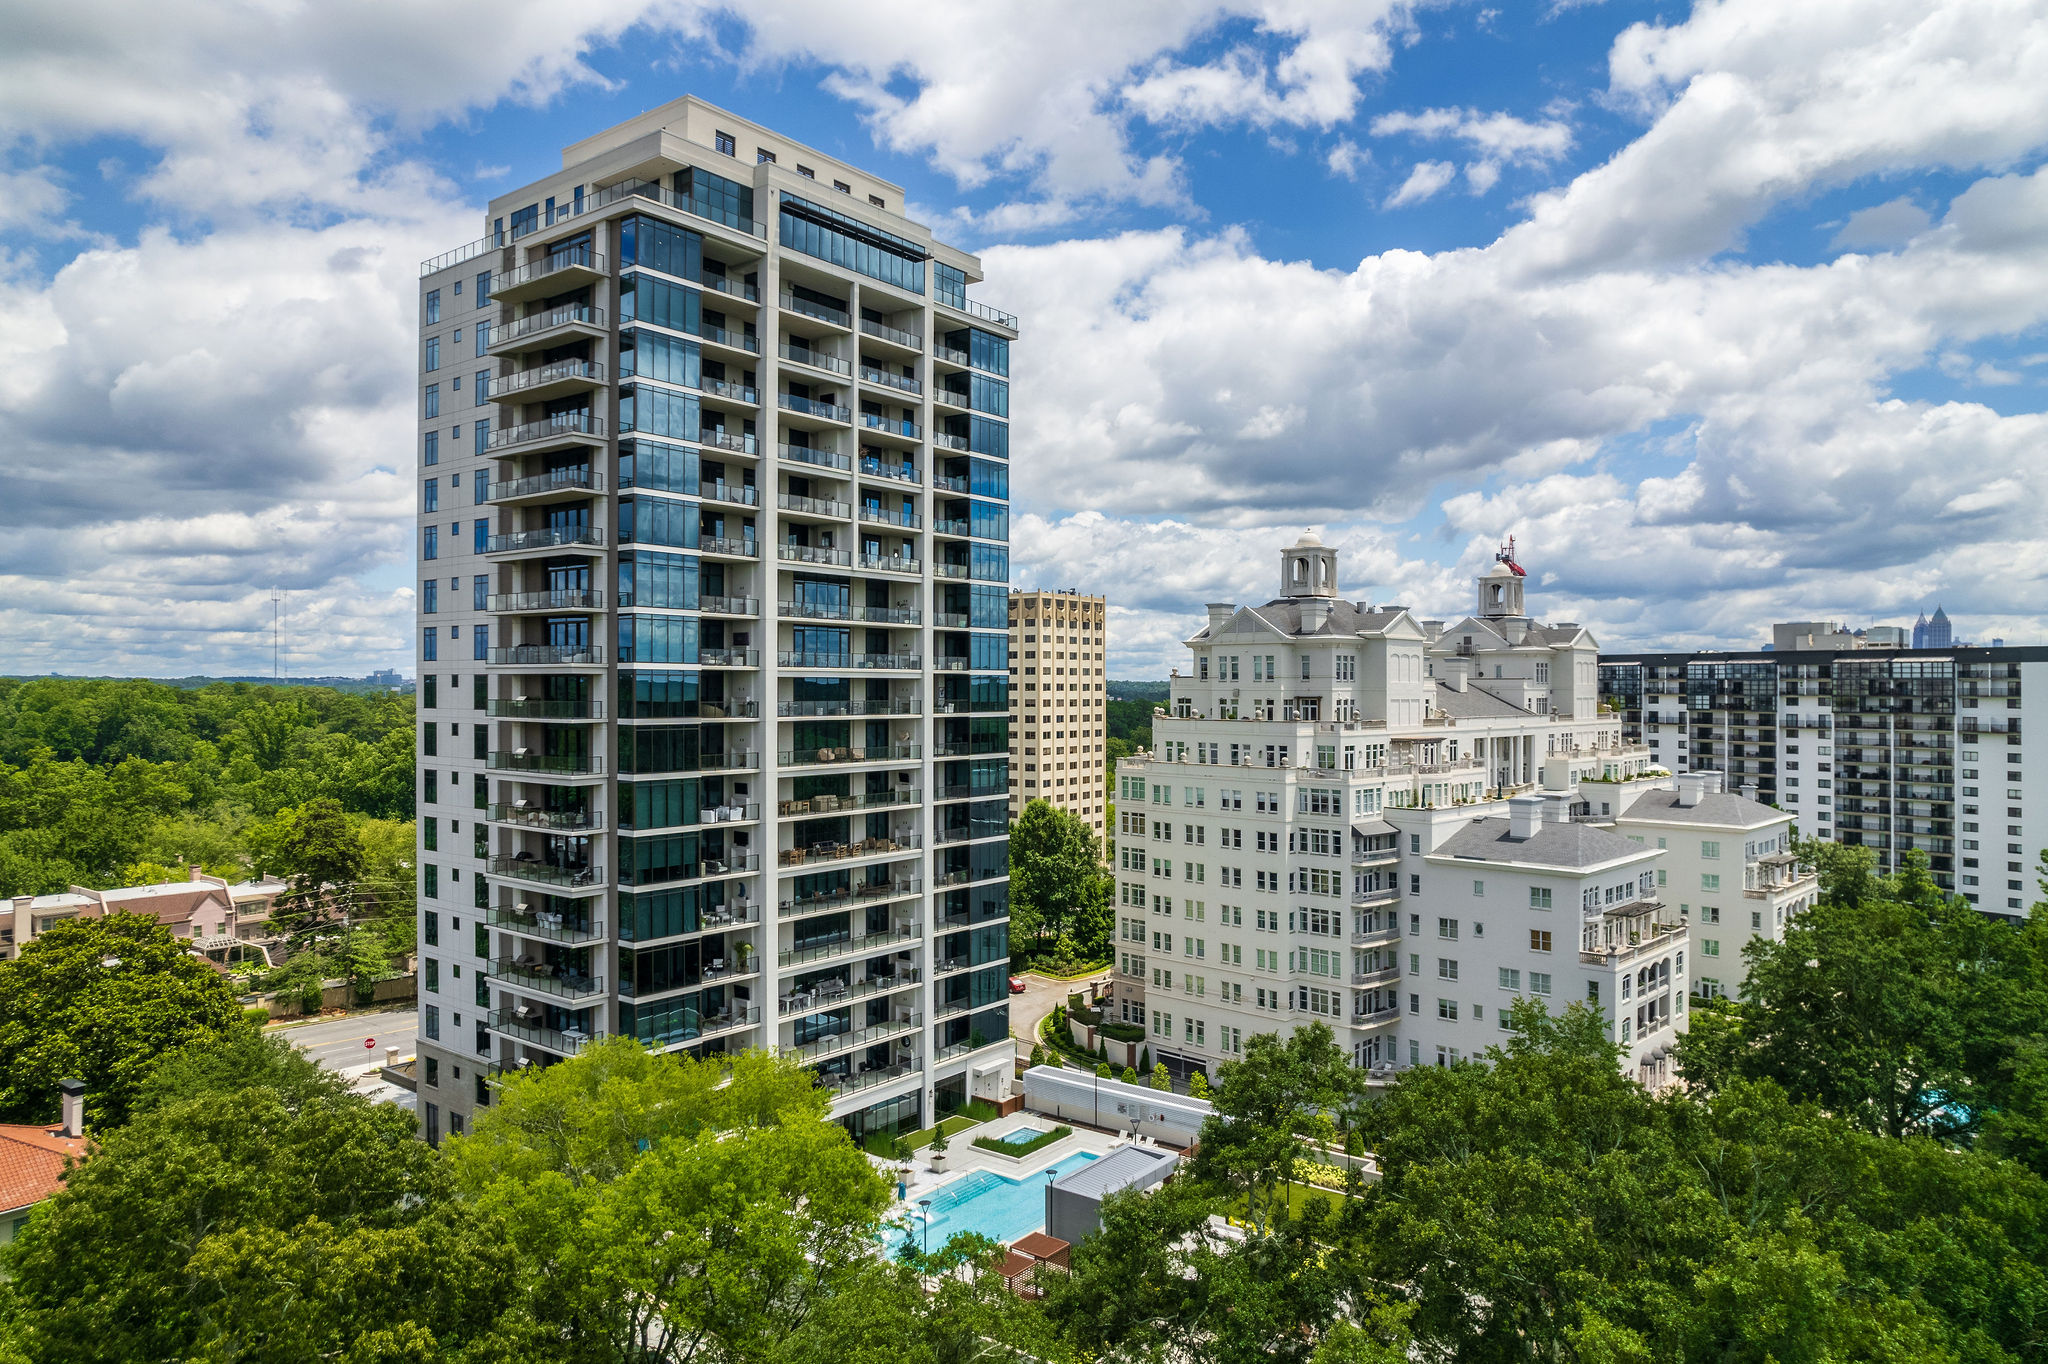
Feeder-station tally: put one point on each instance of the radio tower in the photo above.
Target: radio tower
(276, 630)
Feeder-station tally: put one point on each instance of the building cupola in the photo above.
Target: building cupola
(1308, 568)
(1500, 587)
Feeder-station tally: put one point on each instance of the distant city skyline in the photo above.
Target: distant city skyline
(1417, 277)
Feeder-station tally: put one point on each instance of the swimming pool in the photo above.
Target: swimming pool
(1018, 1136)
(997, 1206)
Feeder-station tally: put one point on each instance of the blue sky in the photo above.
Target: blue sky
(1730, 313)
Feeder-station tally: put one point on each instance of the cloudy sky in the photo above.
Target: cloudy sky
(1729, 313)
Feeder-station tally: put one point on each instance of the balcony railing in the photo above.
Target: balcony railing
(531, 818)
(804, 355)
(533, 977)
(554, 428)
(811, 407)
(729, 606)
(894, 335)
(890, 563)
(951, 397)
(562, 599)
(823, 459)
(1375, 1017)
(528, 708)
(734, 287)
(841, 1085)
(828, 805)
(504, 385)
(874, 421)
(946, 570)
(946, 483)
(902, 382)
(982, 311)
(946, 440)
(739, 494)
(882, 516)
(950, 525)
(814, 506)
(533, 869)
(725, 336)
(881, 615)
(549, 537)
(847, 852)
(739, 443)
(554, 263)
(874, 753)
(826, 903)
(870, 467)
(1384, 976)
(525, 1026)
(725, 388)
(578, 480)
(544, 925)
(566, 315)
(520, 760)
(729, 658)
(899, 705)
(745, 547)
(808, 658)
(546, 655)
(831, 993)
(848, 944)
(942, 351)
(856, 1039)
(815, 554)
(824, 312)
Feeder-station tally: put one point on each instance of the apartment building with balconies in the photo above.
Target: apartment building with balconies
(1333, 784)
(713, 529)
(1892, 750)
(1059, 703)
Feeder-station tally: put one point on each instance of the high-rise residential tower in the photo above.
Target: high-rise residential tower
(713, 598)
(1058, 703)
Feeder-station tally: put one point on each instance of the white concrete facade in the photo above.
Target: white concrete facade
(1338, 823)
(713, 641)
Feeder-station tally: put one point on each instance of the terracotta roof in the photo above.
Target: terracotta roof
(168, 906)
(32, 1163)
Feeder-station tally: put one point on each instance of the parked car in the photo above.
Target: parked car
(1016, 985)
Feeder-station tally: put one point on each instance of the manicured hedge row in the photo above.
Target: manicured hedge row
(1037, 1143)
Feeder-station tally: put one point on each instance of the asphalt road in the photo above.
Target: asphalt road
(1040, 994)
(337, 1044)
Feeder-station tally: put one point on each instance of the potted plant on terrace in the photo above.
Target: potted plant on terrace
(938, 1147)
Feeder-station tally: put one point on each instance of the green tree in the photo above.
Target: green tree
(1264, 1104)
(103, 1000)
(243, 1226)
(1054, 858)
(316, 848)
(1160, 1078)
(703, 1212)
(235, 1061)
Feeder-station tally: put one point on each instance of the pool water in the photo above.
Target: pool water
(998, 1207)
(1018, 1136)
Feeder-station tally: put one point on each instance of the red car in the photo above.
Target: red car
(1016, 985)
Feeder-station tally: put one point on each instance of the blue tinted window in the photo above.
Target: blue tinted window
(658, 465)
(949, 285)
(988, 653)
(480, 592)
(990, 563)
(989, 607)
(433, 400)
(819, 231)
(481, 643)
(483, 391)
(647, 578)
(657, 521)
(986, 350)
(430, 545)
(483, 436)
(483, 339)
(661, 246)
(433, 309)
(987, 437)
(483, 534)
(989, 520)
(430, 448)
(989, 395)
(988, 479)
(657, 639)
(648, 298)
(430, 644)
(658, 412)
(429, 596)
(656, 355)
(717, 198)
(483, 288)
(430, 495)
(433, 353)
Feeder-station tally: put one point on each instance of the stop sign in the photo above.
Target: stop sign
(369, 1043)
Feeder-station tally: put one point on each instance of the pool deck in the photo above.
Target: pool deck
(964, 1157)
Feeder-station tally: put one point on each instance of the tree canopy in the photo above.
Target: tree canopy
(104, 1000)
(1059, 890)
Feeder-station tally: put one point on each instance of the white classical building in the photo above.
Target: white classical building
(1354, 816)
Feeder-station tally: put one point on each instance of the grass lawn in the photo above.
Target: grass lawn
(1298, 1196)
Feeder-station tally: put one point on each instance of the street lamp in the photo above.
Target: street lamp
(926, 1205)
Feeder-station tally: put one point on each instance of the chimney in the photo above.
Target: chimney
(1220, 613)
(1454, 672)
(196, 872)
(1314, 611)
(1749, 791)
(74, 1106)
(1691, 786)
(1557, 807)
(1525, 817)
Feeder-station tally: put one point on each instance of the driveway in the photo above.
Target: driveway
(1029, 1009)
